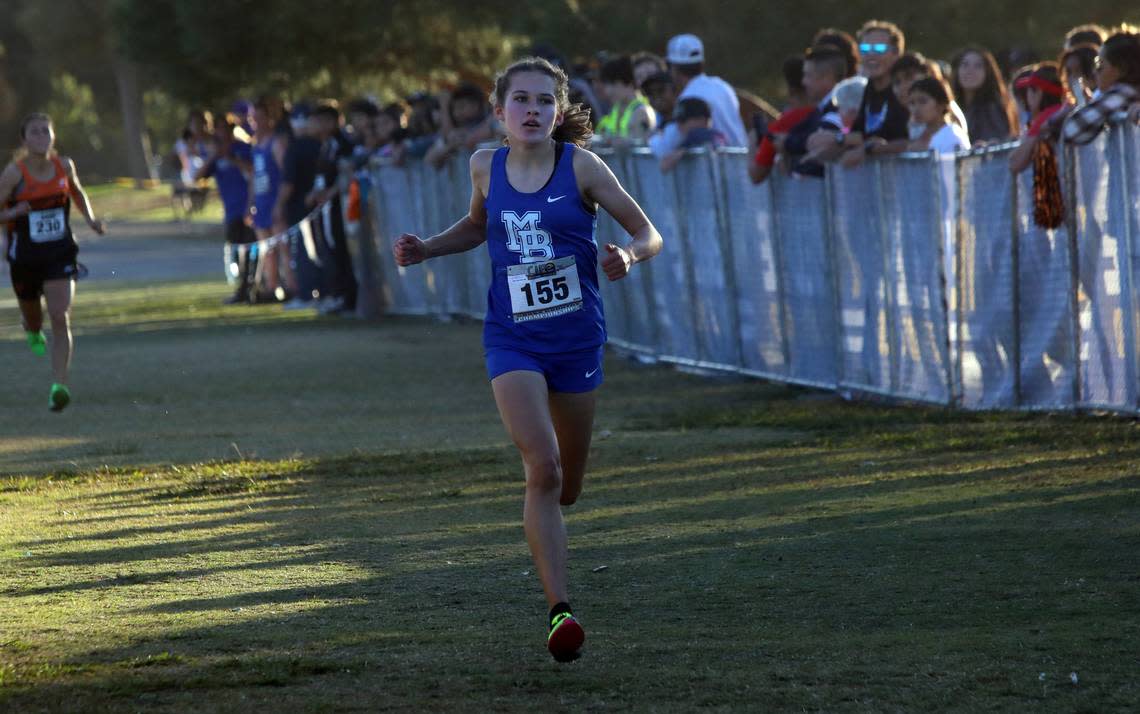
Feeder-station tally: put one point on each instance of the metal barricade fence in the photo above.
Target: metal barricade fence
(915, 277)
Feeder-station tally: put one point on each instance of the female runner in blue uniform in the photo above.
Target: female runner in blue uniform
(36, 192)
(534, 203)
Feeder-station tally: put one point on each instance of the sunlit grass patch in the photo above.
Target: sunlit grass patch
(312, 515)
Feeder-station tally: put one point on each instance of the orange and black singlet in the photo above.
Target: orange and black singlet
(42, 236)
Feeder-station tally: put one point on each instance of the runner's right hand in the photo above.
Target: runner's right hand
(22, 208)
(409, 250)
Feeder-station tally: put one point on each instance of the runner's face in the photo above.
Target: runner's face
(39, 137)
(530, 111)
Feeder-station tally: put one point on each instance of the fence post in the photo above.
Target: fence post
(940, 239)
(778, 258)
(888, 282)
(1071, 202)
(724, 234)
(687, 256)
(1015, 270)
(832, 276)
(1126, 199)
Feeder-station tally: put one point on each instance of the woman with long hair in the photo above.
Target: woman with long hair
(534, 203)
(982, 93)
(37, 190)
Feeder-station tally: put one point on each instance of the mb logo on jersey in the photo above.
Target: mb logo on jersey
(525, 237)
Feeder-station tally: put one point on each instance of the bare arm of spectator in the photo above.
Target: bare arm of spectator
(485, 131)
(669, 161)
(664, 141)
(759, 173)
(825, 145)
(1022, 157)
(440, 150)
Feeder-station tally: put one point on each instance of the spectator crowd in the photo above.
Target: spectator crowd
(848, 97)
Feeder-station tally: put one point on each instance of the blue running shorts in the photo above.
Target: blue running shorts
(579, 371)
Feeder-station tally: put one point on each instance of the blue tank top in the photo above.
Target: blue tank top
(266, 181)
(544, 295)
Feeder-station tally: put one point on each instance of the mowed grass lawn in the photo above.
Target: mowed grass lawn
(258, 512)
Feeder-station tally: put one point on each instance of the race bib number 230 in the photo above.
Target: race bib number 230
(546, 289)
(46, 226)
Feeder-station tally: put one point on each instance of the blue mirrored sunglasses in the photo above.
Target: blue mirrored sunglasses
(876, 48)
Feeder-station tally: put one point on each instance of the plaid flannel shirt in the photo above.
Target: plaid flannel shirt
(1085, 123)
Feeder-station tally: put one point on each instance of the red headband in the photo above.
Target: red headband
(1040, 83)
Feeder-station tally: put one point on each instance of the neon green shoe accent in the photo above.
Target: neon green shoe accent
(59, 398)
(36, 343)
(558, 620)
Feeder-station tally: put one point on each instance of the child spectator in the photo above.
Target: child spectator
(466, 122)
(910, 68)
(362, 114)
(391, 130)
(798, 108)
(693, 118)
(194, 146)
(230, 162)
(929, 104)
(843, 42)
(192, 149)
(1078, 72)
(662, 96)
(268, 150)
(1090, 34)
(1044, 97)
(881, 126)
(983, 95)
(824, 67)
(423, 124)
(630, 116)
(1118, 79)
(645, 65)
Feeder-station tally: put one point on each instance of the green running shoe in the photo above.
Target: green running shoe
(36, 343)
(59, 398)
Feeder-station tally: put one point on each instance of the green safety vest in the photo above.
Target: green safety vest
(616, 123)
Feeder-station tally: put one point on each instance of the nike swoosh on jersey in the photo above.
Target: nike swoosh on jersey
(592, 372)
(550, 199)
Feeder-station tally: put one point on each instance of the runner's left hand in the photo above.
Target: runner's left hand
(96, 225)
(617, 262)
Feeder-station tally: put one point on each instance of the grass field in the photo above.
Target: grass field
(245, 510)
(121, 201)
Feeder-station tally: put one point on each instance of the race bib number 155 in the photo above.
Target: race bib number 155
(542, 290)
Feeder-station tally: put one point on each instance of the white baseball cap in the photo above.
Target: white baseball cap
(685, 49)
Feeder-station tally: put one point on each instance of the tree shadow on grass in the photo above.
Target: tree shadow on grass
(720, 557)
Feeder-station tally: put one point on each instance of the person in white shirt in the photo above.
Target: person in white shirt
(686, 56)
(930, 109)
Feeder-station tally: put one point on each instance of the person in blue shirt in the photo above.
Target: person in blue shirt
(230, 162)
(534, 203)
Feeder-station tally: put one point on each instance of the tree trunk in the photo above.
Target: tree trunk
(134, 126)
